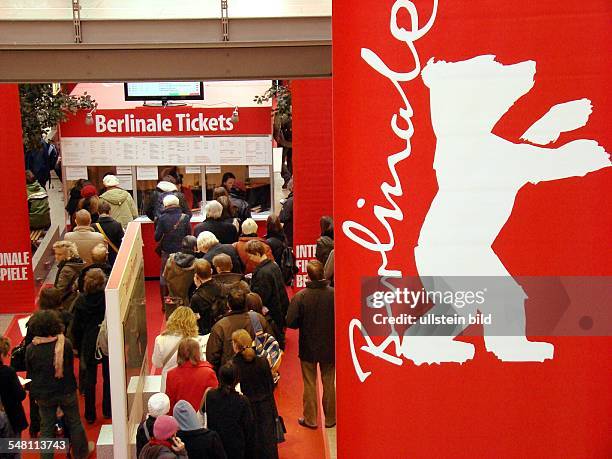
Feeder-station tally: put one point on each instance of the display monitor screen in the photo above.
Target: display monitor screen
(164, 90)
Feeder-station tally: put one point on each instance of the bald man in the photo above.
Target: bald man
(84, 236)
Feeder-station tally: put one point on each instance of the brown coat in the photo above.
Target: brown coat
(65, 280)
(178, 273)
(240, 246)
(85, 239)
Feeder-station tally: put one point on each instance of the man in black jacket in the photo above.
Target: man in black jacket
(267, 282)
(111, 229)
(312, 312)
(209, 245)
(207, 300)
(286, 215)
(155, 205)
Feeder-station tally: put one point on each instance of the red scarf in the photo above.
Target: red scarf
(155, 441)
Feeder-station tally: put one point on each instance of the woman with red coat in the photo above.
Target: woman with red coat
(191, 378)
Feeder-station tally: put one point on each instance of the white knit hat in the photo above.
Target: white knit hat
(110, 180)
(171, 200)
(159, 404)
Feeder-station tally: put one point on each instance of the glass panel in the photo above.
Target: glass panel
(188, 182)
(256, 191)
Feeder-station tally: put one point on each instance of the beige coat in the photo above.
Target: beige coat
(85, 239)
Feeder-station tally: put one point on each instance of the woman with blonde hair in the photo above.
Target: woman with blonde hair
(182, 323)
(69, 267)
(257, 385)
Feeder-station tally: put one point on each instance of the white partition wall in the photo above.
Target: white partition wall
(126, 323)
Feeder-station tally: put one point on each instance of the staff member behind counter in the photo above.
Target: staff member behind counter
(236, 195)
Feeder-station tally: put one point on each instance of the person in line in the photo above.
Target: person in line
(74, 196)
(182, 323)
(227, 279)
(38, 203)
(50, 366)
(90, 201)
(286, 214)
(267, 282)
(49, 298)
(12, 393)
(110, 229)
(123, 208)
(99, 260)
(210, 246)
(89, 311)
(200, 442)
(155, 205)
(229, 212)
(170, 229)
(229, 414)
(253, 303)
(237, 196)
(84, 236)
(257, 385)
(179, 271)
(325, 243)
(191, 378)
(312, 312)
(249, 233)
(69, 267)
(219, 349)
(208, 301)
(225, 231)
(158, 405)
(164, 444)
(275, 237)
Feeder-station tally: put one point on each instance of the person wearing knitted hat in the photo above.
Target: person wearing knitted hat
(165, 444)
(158, 405)
(123, 207)
(90, 201)
(199, 441)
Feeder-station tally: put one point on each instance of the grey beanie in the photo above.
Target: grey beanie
(186, 416)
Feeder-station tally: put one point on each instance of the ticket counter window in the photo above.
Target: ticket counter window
(188, 182)
(256, 191)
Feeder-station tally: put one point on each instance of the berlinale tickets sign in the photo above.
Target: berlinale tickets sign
(471, 148)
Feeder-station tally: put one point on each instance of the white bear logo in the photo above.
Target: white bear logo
(479, 175)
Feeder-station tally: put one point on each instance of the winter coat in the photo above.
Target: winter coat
(123, 207)
(202, 443)
(155, 206)
(38, 206)
(268, 283)
(228, 250)
(240, 246)
(105, 267)
(219, 349)
(66, 280)
(114, 232)
(85, 239)
(141, 436)
(312, 312)
(189, 382)
(11, 396)
(178, 273)
(164, 227)
(278, 243)
(164, 345)
(228, 281)
(209, 302)
(257, 385)
(243, 210)
(329, 268)
(286, 218)
(231, 417)
(39, 162)
(325, 245)
(151, 451)
(89, 312)
(224, 230)
(40, 369)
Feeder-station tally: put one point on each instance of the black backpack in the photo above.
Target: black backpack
(288, 267)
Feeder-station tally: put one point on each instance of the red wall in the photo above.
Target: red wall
(312, 163)
(483, 407)
(15, 295)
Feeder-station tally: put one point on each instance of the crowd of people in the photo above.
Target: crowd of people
(225, 299)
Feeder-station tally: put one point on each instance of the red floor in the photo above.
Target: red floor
(301, 442)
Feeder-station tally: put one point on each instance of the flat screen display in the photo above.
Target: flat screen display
(164, 90)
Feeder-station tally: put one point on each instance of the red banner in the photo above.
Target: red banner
(312, 166)
(169, 122)
(16, 277)
(470, 139)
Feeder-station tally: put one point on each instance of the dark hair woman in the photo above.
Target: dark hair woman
(50, 366)
(11, 396)
(257, 385)
(275, 237)
(89, 310)
(229, 414)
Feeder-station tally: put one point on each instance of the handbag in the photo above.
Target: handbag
(202, 416)
(18, 356)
